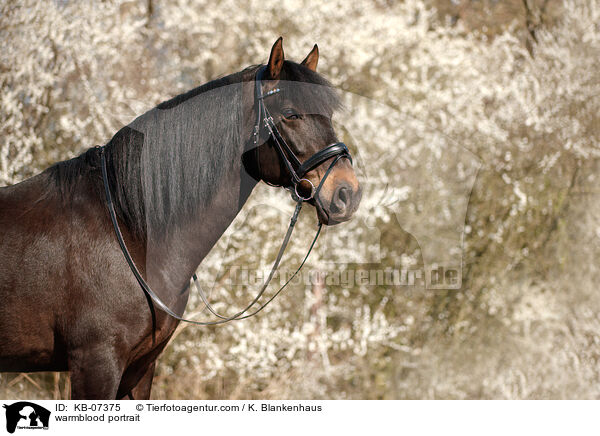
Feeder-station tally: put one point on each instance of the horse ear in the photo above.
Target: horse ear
(276, 59)
(312, 59)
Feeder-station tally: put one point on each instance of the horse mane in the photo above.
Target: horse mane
(195, 156)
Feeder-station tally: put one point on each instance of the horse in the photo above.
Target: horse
(178, 175)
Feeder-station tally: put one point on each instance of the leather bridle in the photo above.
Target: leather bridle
(297, 171)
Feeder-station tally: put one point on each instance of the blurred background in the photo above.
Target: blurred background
(478, 113)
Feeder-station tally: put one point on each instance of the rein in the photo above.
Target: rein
(297, 171)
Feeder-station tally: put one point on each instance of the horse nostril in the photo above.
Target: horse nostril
(341, 198)
(344, 195)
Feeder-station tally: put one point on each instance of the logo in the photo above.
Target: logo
(26, 415)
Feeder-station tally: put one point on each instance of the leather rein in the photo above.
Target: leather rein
(297, 170)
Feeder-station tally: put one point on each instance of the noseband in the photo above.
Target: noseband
(297, 171)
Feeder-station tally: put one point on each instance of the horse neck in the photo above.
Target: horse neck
(174, 247)
(172, 259)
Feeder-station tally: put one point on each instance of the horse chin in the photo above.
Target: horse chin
(324, 216)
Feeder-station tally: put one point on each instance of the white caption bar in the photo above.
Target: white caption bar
(297, 417)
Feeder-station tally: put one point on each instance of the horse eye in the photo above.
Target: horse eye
(290, 114)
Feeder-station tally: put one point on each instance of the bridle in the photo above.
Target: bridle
(297, 170)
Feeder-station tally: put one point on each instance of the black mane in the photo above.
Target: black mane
(195, 156)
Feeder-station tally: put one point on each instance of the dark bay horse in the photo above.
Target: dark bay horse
(179, 175)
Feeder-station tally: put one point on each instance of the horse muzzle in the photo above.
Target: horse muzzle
(341, 205)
